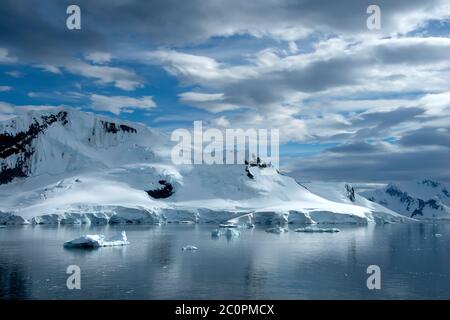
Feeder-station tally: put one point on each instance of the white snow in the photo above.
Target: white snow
(81, 174)
(97, 240)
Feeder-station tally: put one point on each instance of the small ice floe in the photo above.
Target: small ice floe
(316, 229)
(189, 248)
(438, 235)
(97, 240)
(277, 230)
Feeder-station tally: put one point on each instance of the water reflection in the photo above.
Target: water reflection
(255, 265)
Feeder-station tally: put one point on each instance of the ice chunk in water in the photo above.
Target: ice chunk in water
(189, 248)
(97, 240)
(316, 229)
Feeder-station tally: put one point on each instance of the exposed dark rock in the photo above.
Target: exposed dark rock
(432, 203)
(415, 205)
(113, 128)
(20, 144)
(431, 183)
(249, 174)
(8, 174)
(350, 192)
(127, 128)
(161, 193)
(404, 197)
(258, 163)
(13, 144)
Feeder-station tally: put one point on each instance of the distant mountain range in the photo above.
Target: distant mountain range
(425, 199)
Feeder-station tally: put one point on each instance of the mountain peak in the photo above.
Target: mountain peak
(50, 141)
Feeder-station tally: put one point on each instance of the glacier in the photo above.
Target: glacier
(65, 166)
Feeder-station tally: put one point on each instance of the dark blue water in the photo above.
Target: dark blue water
(414, 262)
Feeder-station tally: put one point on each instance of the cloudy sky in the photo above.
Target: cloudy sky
(351, 103)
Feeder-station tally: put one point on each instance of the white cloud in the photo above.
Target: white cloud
(319, 94)
(6, 107)
(5, 88)
(8, 110)
(120, 78)
(49, 68)
(5, 57)
(212, 102)
(14, 73)
(221, 122)
(119, 104)
(293, 47)
(185, 65)
(99, 57)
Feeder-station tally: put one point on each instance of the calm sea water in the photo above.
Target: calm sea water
(414, 261)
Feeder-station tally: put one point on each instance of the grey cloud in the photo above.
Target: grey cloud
(390, 118)
(427, 137)
(371, 125)
(412, 53)
(356, 148)
(379, 164)
(36, 29)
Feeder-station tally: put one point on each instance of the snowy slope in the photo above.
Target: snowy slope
(66, 166)
(344, 192)
(52, 142)
(426, 199)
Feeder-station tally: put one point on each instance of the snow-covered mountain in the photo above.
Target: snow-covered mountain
(426, 199)
(66, 166)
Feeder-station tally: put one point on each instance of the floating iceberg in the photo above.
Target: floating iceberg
(189, 248)
(97, 240)
(277, 230)
(316, 229)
